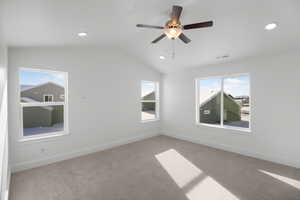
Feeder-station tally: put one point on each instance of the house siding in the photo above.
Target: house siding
(232, 110)
(214, 108)
(148, 105)
(42, 117)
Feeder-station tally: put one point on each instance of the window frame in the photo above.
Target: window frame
(48, 95)
(222, 126)
(42, 136)
(156, 101)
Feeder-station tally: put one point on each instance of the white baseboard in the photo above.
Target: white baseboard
(53, 159)
(37, 163)
(275, 159)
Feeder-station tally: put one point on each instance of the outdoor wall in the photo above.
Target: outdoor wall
(4, 159)
(275, 100)
(37, 116)
(104, 102)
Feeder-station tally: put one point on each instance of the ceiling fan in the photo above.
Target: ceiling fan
(174, 29)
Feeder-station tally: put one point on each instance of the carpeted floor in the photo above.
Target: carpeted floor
(159, 168)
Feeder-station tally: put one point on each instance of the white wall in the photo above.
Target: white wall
(275, 89)
(104, 109)
(4, 168)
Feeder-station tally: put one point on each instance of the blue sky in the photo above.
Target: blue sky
(35, 78)
(236, 86)
(147, 87)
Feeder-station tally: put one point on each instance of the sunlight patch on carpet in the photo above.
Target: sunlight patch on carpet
(209, 189)
(178, 167)
(289, 181)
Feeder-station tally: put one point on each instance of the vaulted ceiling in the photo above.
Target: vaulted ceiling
(238, 27)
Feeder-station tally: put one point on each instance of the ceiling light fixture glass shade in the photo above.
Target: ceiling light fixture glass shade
(173, 33)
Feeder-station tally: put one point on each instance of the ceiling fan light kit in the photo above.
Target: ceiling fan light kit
(173, 28)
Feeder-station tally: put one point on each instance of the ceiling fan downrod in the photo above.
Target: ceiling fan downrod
(173, 49)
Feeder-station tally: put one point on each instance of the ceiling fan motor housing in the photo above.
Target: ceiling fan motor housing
(173, 29)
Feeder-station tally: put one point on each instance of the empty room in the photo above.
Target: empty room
(149, 100)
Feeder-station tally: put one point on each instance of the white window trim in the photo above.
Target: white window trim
(222, 126)
(43, 136)
(48, 95)
(156, 101)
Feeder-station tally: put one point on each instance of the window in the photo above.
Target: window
(149, 101)
(43, 111)
(48, 98)
(224, 102)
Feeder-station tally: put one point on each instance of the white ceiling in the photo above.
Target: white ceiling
(238, 31)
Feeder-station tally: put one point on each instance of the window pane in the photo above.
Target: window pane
(35, 85)
(148, 110)
(148, 90)
(210, 101)
(236, 101)
(43, 119)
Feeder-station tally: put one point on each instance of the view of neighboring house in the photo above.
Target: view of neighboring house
(210, 108)
(150, 106)
(42, 93)
(35, 119)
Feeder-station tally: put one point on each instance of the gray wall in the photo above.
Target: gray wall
(274, 95)
(104, 101)
(4, 144)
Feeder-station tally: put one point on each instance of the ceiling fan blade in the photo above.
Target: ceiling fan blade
(176, 12)
(198, 25)
(184, 38)
(148, 26)
(159, 38)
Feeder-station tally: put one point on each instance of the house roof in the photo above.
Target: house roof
(28, 87)
(150, 96)
(24, 87)
(206, 97)
(29, 100)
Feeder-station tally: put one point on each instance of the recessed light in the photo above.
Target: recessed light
(162, 57)
(271, 26)
(82, 34)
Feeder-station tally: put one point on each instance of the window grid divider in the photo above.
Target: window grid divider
(197, 89)
(222, 103)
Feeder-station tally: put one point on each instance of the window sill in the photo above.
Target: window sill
(43, 137)
(150, 120)
(247, 130)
